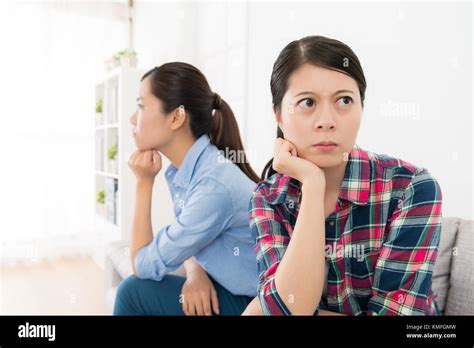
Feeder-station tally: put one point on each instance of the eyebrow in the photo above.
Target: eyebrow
(139, 98)
(337, 92)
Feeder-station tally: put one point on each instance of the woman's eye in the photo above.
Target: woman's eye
(306, 103)
(345, 100)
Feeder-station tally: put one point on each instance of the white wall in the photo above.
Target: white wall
(415, 56)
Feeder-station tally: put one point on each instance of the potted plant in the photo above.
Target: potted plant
(98, 112)
(101, 200)
(127, 58)
(122, 58)
(112, 154)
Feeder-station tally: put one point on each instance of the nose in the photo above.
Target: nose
(133, 118)
(325, 120)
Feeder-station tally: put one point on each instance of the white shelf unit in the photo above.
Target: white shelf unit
(118, 91)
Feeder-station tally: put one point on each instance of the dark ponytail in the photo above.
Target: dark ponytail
(178, 84)
(317, 50)
(225, 135)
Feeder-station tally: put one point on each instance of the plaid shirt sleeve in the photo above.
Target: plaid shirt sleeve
(270, 242)
(403, 271)
(271, 239)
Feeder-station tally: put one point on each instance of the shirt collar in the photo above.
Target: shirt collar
(355, 186)
(183, 174)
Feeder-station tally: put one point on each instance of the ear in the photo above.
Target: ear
(178, 117)
(277, 114)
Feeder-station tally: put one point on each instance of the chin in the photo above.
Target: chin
(138, 145)
(326, 161)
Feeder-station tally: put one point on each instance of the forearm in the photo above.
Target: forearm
(300, 275)
(142, 232)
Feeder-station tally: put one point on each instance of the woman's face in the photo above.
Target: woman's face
(151, 128)
(321, 105)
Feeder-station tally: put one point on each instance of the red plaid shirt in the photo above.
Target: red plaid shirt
(381, 240)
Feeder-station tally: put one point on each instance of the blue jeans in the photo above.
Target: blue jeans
(137, 296)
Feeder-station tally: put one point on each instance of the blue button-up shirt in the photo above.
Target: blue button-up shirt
(210, 196)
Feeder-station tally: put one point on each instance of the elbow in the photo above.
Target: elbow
(274, 302)
(134, 267)
(144, 269)
(270, 300)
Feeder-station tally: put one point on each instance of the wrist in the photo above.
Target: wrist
(314, 186)
(191, 266)
(145, 182)
(194, 272)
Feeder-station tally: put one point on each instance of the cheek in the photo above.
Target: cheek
(297, 130)
(145, 130)
(349, 130)
(147, 123)
(352, 124)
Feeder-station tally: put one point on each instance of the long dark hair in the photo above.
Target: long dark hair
(180, 83)
(317, 50)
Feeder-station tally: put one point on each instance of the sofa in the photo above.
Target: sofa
(453, 275)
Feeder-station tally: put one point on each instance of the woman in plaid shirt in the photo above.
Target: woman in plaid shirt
(338, 229)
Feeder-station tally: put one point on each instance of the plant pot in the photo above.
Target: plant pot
(101, 209)
(99, 119)
(111, 64)
(130, 61)
(113, 166)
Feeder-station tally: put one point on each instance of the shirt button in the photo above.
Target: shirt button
(331, 223)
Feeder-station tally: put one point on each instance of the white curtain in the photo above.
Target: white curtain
(52, 55)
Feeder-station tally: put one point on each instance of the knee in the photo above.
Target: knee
(124, 297)
(127, 288)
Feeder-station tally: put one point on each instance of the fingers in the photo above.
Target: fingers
(185, 306)
(287, 147)
(191, 309)
(215, 302)
(156, 158)
(282, 146)
(199, 301)
(278, 144)
(198, 304)
(132, 158)
(206, 305)
(147, 157)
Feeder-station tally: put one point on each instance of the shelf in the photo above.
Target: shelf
(107, 126)
(112, 178)
(99, 172)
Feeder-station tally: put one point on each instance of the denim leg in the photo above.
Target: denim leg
(137, 296)
(230, 304)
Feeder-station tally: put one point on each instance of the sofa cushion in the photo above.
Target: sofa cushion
(461, 291)
(118, 253)
(442, 269)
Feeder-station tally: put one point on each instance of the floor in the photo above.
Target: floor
(72, 286)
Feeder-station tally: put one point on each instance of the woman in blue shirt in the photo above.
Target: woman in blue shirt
(180, 117)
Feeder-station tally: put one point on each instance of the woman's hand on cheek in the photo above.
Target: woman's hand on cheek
(145, 164)
(287, 162)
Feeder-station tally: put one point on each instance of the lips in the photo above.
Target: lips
(326, 143)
